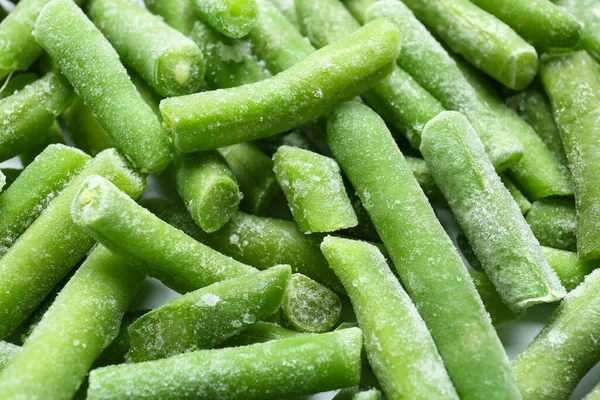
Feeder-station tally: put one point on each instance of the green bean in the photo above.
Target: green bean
(7, 353)
(93, 68)
(572, 82)
(257, 241)
(486, 212)
(553, 222)
(398, 345)
(53, 244)
(86, 131)
(307, 90)
(208, 188)
(206, 317)
(539, 173)
(35, 188)
(288, 9)
(310, 307)
(312, 184)
(499, 312)
(168, 60)
(565, 348)
(115, 352)
(54, 361)
(294, 366)
(26, 115)
(260, 332)
(233, 18)
(54, 136)
(16, 83)
(179, 14)
(425, 258)
(586, 11)
(254, 173)
(522, 201)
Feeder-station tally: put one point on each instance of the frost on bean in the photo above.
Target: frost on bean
(553, 223)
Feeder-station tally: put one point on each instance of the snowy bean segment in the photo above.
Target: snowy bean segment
(588, 12)
(425, 258)
(309, 89)
(82, 321)
(179, 14)
(207, 317)
(168, 60)
(565, 348)
(26, 115)
(312, 184)
(572, 82)
(398, 344)
(288, 367)
(233, 18)
(53, 243)
(92, 66)
(554, 224)
(487, 213)
(208, 188)
(35, 188)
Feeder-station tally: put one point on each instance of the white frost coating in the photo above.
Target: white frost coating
(210, 299)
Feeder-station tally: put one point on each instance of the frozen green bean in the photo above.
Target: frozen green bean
(522, 201)
(179, 14)
(82, 321)
(586, 11)
(398, 344)
(115, 352)
(288, 9)
(570, 269)
(358, 8)
(35, 188)
(310, 307)
(553, 222)
(499, 312)
(53, 244)
(233, 18)
(488, 215)
(53, 136)
(86, 131)
(167, 59)
(16, 83)
(207, 317)
(93, 68)
(312, 184)
(260, 332)
(311, 88)
(276, 369)
(426, 260)
(26, 115)
(7, 353)
(572, 82)
(208, 188)
(565, 348)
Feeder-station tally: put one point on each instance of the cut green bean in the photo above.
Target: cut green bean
(488, 215)
(7, 353)
(16, 83)
(179, 14)
(115, 352)
(93, 68)
(86, 131)
(206, 317)
(254, 173)
(167, 59)
(310, 307)
(208, 188)
(26, 115)
(358, 8)
(553, 222)
(499, 312)
(260, 332)
(233, 18)
(307, 90)
(425, 258)
(587, 12)
(35, 188)
(53, 136)
(288, 9)
(522, 201)
(565, 348)
(312, 184)
(287, 367)
(398, 344)
(82, 321)
(53, 243)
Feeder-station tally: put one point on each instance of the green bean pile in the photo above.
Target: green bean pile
(305, 149)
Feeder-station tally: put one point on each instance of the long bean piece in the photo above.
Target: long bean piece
(587, 12)
(554, 223)
(233, 18)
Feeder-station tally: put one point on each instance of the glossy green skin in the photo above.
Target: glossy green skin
(16, 83)
(58, 354)
(179, 14)
(7, 353)
(487, 213)
(488, 43)
(397, 341)
(539, 172)
(586, 11)
(229, 62)
(426, 60)
(233, 18)
(260, 332)
(519, 198)
(499, 312)
(53, 244)
(287, 367)
(566, 347)
(425, 258)
(35, 188)
(206, 317)
(312, 184)
(307, 90)
(208, 188)
(26, 115)
(92, 66)
(167, 59)
(572, 82)
(538, 21)
(553, 222)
